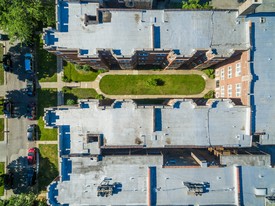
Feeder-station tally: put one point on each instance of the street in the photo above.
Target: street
(14, 148)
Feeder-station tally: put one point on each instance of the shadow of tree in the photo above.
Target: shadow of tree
(47, 173)
(23, 176)
(18, 52)
(46, 98)
(20, 100)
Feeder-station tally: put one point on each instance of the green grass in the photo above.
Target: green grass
(46, 98)
(45, 134)
(48, 167)
(1, 51)
(2, 171)
(140, 84)
(1, 129)
(72, 74)
(46, 63)
(78, 93)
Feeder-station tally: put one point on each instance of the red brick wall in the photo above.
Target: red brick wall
(232, 81)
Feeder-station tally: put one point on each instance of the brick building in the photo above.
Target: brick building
(233, 78)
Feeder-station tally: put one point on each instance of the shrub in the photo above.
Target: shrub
(70, 102)
(78, 67)
(86, 68)
(209, 95)
(65, 79)
(82, 67)
(99, 96)
(195, 4)
(102, 71)
(155, 82)
(210, 73)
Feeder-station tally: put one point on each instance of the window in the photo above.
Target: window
(229, 72)
(217, 83)
(216, 72)
(222, 91)
(217, 94)
(229, 90)
(143, 54)
(238, 69)
(222, 74)
(238, 90)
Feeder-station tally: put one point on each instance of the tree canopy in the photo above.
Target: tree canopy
(21, 18)
(194, 4)
(23, 199)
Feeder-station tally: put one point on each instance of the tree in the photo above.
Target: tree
(194, 4)
(70, 102)
(21, 18)
(155, 82)
(23, 199)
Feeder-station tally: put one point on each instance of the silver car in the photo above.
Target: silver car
(31, 132)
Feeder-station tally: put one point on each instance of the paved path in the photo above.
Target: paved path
(210, 84)
(46, 142)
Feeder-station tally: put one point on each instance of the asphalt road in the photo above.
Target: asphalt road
(14, 149)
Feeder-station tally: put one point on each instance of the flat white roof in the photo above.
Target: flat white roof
(183, 124)
(184, 31)
(162, 186)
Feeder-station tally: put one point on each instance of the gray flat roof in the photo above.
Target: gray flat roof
(128, 30)
(182, 124)
(166, 184)
(263, 70)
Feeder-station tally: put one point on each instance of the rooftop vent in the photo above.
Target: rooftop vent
(90, 19)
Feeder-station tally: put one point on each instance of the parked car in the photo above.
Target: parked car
(4, 37)
(7, 62)
(31, 86)
(7, 108)
(31, 132)
(8, 180)
(32, 156)
(31, 111)
(28, 63)
(31, 177)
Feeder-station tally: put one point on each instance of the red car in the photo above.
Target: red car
(31, 156)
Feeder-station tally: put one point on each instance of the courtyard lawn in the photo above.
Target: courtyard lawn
(152, 84)
(2, 171)
(48, 167)
(46, 98)
(72, 74)
(46, 63)
(78, 93)
(1, 129)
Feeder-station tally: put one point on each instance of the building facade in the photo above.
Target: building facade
(233, 78)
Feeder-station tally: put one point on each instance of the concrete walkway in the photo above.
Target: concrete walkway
(210, 84)
(46, 142)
